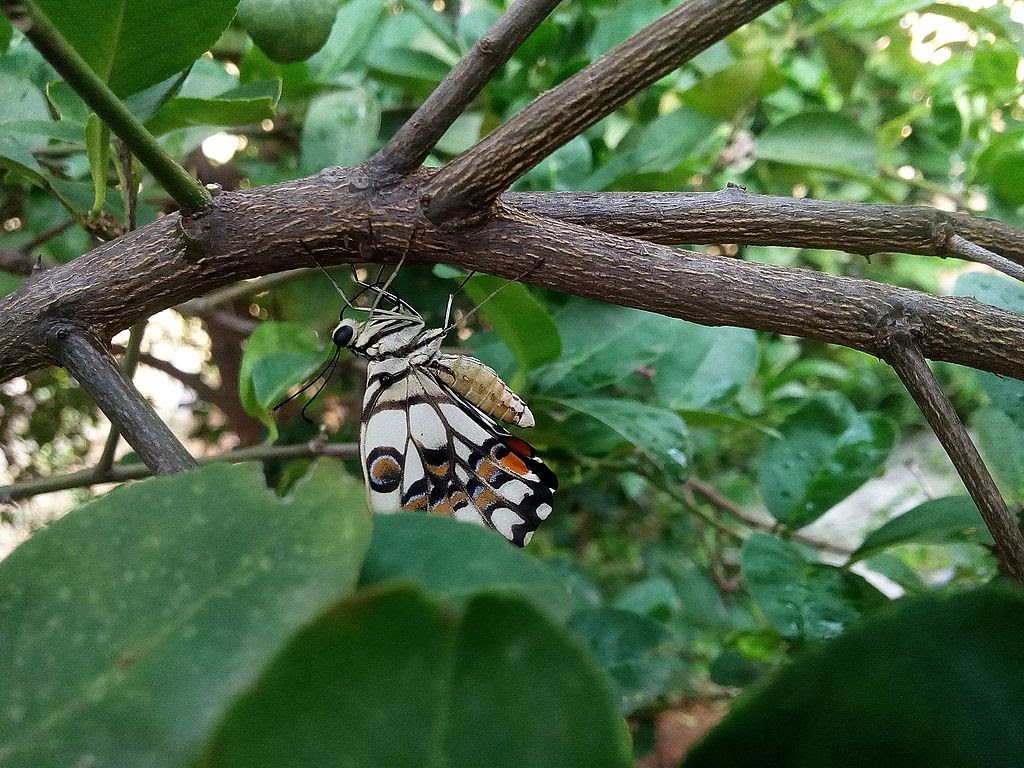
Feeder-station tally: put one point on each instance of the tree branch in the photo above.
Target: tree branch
(411, 144)
(263, 230)
(121, 472)
(903, 354)
(117, 397)
(733, 215)
(190, 195)
(471, 182)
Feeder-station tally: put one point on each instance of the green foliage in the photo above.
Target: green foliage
(205, 620)
(890, 693)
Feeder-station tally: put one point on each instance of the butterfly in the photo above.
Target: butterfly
(430, 438)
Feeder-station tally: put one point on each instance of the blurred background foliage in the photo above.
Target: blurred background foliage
(729, 499)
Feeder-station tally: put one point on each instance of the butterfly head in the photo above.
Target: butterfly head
(383, 335)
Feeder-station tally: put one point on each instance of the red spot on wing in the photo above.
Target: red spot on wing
(520, 447)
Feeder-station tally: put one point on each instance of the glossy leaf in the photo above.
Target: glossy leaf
(388, 677)
(97, 145)
(130, 623)
(244, 105)
(133, 44)
(705, 366)
(659, 434)
(1001, 442)
(340, 129)
(453, 560)
(287, 30)
(827, 451)
(352, 30)
(925, 684)
(277, 356)
(637, 652)
(936, 521)
(802, 599)
(824, 140)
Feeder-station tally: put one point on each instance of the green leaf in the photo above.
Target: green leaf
(638, 654)
(856, 15)
(244, 105)
(518, 318)
(453, 560)
(659, 434)
(6, 32)
(353, 27)
(97, 146)
(936, 521)
(130, 623)
(287, 30)
(277, 356)
(411, 684)
(926, 684)
(604, 344)
(706, 365)
(623, 20)
(1001, 442)
(133, 44)
(727, 91)
(15, 156)
(23, 100)
(68, 104)
(827, 451)
(1007, 173)
(802, 599)
(340, 129)
(825, 140)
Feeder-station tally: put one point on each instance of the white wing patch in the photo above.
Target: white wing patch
(426, 448)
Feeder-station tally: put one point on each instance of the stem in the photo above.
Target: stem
(131, 360)
(905, 357)
(471, 182)
(122, 472)
(190, 195)
(409, 147)
(118, 398)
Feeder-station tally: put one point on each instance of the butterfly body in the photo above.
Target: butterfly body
(429, 437)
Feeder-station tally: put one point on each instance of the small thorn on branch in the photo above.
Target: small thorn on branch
(115, 394)
(904, 355)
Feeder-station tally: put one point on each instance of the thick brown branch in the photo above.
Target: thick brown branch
(411, 144)
(258, 231)
(905, 357)
(733, 215)
(472, 181)
(117, 397)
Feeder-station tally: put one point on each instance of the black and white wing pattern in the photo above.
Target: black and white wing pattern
(426, 447)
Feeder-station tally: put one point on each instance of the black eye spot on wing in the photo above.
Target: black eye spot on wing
(384, 469)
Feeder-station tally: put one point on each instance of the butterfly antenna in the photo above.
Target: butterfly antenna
(327, 380)
(328, 275)
(495, 292)
(327, 369)
(451, 298)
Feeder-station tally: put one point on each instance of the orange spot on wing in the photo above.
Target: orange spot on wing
(514, 464)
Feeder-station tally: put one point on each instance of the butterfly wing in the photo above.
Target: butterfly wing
(425, 448)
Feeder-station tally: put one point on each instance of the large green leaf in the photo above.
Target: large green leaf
(133, 44)
(352, 30)
(453, 560)
(128, 625)
(340, 129)
(827, 451)
(244, 105)
(639, 654)
(659, 434)
(801, 598)
(934, 682)
(936, 521)
(288, 30)
(604, 344)
(825, 140)
(706, 365)
(390, 678)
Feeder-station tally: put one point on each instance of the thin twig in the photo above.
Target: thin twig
(472, 181)
(128, 365)
(905, 357)
(117, 397)
(119, 473)
(411, 144)
(964, 248)
(722, 502)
